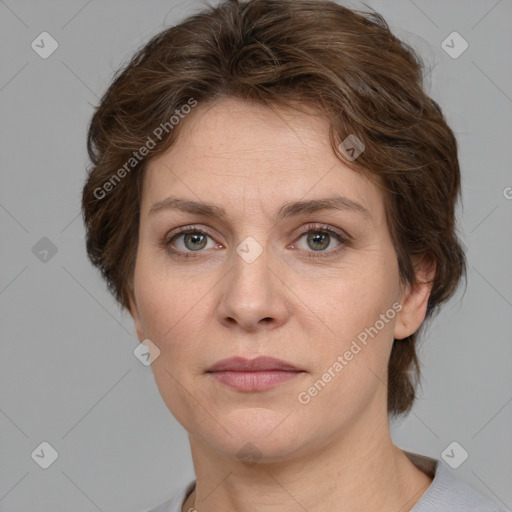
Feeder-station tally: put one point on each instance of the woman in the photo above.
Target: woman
(272, 199)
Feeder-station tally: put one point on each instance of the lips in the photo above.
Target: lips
(251, 375)
(259, 364)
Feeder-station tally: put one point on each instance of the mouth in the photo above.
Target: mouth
(256, 374)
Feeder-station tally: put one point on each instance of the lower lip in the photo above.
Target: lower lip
(254, 381)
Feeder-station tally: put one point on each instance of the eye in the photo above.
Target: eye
(185, 241)
(319, 237)
(193, 240)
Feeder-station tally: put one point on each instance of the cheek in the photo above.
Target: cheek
(175, 316)
(352, 354)
(169, 319)
(338, 307)
(164, 298)
(351, 365)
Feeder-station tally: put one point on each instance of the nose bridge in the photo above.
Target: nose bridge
(251, 276)
(252, 289)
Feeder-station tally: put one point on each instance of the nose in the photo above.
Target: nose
(253, 294)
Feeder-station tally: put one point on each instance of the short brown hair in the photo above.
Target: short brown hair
(345, 63)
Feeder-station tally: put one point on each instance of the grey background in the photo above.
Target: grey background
(67, 372)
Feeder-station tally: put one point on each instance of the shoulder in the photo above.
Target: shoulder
(448, 493)
(176, 502)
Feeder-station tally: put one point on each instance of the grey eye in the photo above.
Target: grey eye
(197, 241)
(318, 241)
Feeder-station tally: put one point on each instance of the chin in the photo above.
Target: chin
(263, 431)
(250, 449)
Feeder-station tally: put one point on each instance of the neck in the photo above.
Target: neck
(358, 472)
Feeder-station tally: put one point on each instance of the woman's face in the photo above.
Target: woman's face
(253, 282)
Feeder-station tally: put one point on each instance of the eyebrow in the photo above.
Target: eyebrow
(286, 210)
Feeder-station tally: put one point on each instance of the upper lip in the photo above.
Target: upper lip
(261, 363)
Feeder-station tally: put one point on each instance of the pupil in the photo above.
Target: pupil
(315, 238)
(195, 238)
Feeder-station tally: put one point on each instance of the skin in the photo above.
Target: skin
(336, 452)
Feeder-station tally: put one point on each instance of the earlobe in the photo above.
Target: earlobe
(414, 299)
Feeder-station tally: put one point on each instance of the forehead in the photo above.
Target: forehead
(233, 150)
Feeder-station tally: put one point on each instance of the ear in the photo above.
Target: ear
(414, 298)
(134, 312)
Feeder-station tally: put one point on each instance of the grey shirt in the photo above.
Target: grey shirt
(446, 493)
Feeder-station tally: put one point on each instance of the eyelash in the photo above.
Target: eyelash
(345, 240)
